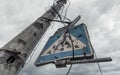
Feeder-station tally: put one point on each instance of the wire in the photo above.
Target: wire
(73, 52)
(67, 9)
(67, 18)
(56, 13)
(99, 65)
(97, 62)
(60, 14)
(64, 16)
(71, 43)
(100, 69)
(69, 70)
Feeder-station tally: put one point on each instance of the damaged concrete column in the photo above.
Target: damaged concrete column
(15, 53)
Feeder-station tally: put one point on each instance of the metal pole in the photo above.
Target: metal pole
(15, 53)
(63, 63)
(89, 61)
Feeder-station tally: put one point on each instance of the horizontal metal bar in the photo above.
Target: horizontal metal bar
(62, 63)
(56, 20)
(89, 61)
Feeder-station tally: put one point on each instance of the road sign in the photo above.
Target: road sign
(59, 46)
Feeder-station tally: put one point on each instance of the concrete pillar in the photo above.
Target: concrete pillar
(15, 53)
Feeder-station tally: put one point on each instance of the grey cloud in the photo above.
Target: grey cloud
(106, 5)
(101, 17)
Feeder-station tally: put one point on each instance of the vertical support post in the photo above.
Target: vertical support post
(15, 53)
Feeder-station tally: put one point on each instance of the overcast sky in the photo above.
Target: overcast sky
(102, 18)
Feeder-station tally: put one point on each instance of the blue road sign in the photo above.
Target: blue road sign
(59, 46)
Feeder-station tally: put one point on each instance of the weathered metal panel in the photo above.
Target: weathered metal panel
(58, 47)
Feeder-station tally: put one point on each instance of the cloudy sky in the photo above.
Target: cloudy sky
(101, 17)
